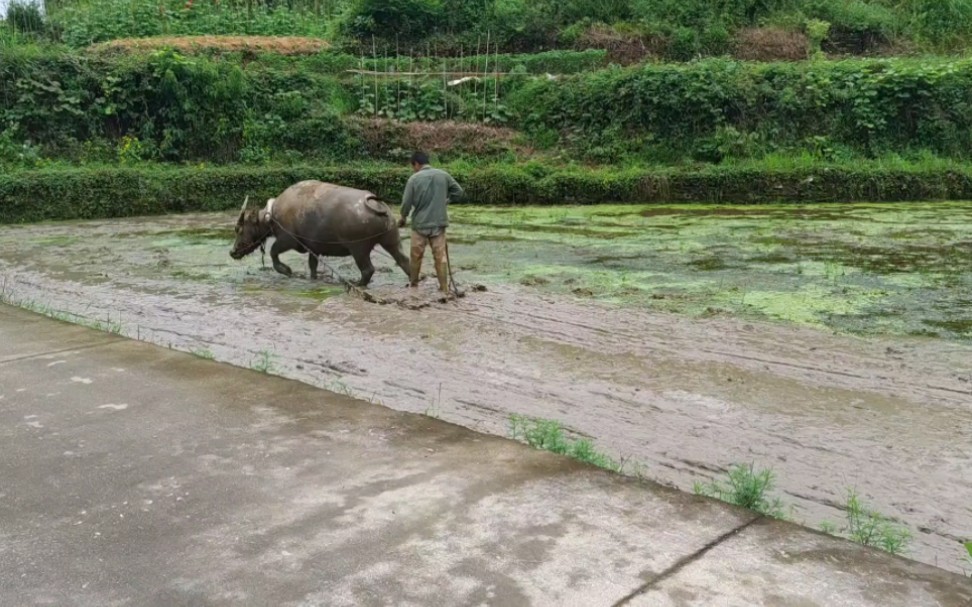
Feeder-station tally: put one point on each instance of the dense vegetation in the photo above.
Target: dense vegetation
(166, 106)
(612, 98)
(668, 28)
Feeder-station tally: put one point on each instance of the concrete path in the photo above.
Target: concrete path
(134, 475)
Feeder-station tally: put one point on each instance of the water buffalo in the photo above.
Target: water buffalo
(321, 219)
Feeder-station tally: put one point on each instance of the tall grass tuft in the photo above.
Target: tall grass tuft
(748, 488)
(549, 435)
(870, 528)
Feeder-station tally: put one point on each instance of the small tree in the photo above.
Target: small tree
(26, 18)
(410, 20)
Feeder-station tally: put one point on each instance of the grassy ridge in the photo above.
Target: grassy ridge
(87, 193)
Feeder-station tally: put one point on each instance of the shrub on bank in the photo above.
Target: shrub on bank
(171, 107)
(86, 193)
(717, 108)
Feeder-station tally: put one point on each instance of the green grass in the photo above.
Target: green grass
(434, 409)
(550, 436)
(202, 353)
(968, 557)
(264, 362)
(107, 325)
(750, 488)
(63, 192)
(746, 487)
(87, 21)
(870, 528)
(340, 387)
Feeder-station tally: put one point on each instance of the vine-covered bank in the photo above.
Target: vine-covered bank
(166, 106)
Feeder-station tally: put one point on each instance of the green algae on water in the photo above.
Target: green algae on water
(901, 268)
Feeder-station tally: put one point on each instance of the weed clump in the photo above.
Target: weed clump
(264, 362)
(747, 488)
(870, 528)
(549, 435)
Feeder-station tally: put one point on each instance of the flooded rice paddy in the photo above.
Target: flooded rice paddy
(832, 343)
(869, 269)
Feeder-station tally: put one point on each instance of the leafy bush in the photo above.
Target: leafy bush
(857, 26)
(17, 154)
(941, 24)
(177, 107)
(184, 108)
(407, 20)
(817, 32)
(872, 107)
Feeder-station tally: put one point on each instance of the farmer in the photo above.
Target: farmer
(427, 194)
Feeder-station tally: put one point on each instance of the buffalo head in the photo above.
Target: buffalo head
(252, 230)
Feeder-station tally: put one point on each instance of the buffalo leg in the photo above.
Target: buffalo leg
(362, 257)
(400, 258)
(312, 264)
(278, 265)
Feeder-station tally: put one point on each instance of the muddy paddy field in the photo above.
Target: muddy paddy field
(830, 343)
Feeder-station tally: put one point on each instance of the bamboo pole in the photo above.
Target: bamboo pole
(363, 72)
(385, 88)
(374, 57)
(476, 81)
(445, 85)
(398, 81)
(485, 75)
(496, 73)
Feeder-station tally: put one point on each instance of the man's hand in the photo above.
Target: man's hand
(401, 222)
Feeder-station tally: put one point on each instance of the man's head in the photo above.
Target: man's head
(419, 160)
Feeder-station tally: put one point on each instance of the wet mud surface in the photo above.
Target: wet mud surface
(829, 343)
